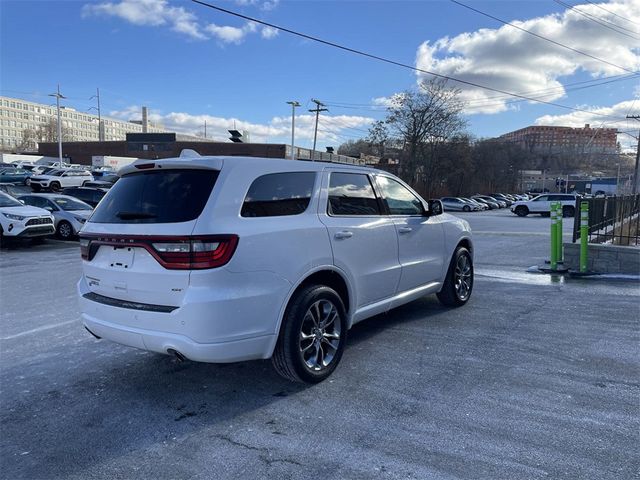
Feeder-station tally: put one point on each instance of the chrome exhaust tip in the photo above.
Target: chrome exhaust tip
(174, 353)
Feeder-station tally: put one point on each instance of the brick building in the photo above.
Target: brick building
(543, 139)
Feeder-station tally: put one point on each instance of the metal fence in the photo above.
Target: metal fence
(614, 220)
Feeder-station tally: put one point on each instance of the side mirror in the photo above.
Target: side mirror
(435, 207)
(50, 209)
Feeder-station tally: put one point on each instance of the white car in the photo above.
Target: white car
(58, 179)
(20, 221)
(224, 259)
(542, 204)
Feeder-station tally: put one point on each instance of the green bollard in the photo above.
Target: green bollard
(559, 255)
(584, 235)
(554, 249)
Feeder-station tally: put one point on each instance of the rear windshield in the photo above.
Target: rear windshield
(157, 196)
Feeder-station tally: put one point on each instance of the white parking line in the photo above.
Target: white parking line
(39, 329)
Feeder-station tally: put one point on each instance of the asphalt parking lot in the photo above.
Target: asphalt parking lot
(537, 377)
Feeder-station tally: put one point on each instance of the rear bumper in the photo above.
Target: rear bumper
(161, 342)
(236, 321)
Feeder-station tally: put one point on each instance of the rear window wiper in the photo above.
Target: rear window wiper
(135, 215)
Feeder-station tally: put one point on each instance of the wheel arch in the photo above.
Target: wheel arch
(328, 275)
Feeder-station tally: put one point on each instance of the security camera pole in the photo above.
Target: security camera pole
(293, 104)
(58, 96)
(317, 111)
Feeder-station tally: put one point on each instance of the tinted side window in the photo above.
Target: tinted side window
(40, 202)
(399, 199)
(157, 196)
(543, 198)
(352, 194)
(278, 194)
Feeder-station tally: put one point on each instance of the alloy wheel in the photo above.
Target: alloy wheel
(463, 277)
(320, 335)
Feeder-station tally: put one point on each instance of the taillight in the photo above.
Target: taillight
(84, 248)
(173, 253)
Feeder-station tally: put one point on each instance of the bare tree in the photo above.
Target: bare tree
(421, 122)
(28, 141)
(48, 132)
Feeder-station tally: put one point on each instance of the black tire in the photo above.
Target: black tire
(289, 357)
(54, 186)
(466, 208)
(1, 237)
(35, 188)
(454, 294)
(64, 230)
(521, 210)
(27, 182)
(568, 211)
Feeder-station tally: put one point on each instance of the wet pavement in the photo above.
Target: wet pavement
(537, 377)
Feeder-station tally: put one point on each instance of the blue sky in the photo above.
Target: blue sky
(188, 63)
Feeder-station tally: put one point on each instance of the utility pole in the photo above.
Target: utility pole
(634, 187)
(317, 111)
(293, 104)
(205, 129)
(100, 129)
(58, 96)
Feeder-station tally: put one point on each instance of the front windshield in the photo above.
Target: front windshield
(8, 201)
(68, 203)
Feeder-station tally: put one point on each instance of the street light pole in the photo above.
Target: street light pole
(293, 104)
(317, 111)
(100, 129)
(58, 96)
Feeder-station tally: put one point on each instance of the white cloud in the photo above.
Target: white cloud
(334, 129)
(596, 119)
(150, 13)
(229, 34)
(160, 13)
(514, 61)
(269, 32)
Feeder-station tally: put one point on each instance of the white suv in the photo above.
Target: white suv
(18, 220)
(58, 179)
(223, 259)
(542, 204)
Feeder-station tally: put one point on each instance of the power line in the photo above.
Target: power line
(590, 17)
(392, 62)
(606, 21)
(596, 82)
(562, 45)
(612, 13)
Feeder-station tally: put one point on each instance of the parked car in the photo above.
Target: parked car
(58, 179)
(542, 205)
(15, 175)
(105, 181)
(454, 204)
(490, 202)
(13, 189)
(483, 206)
(223, 259)
(20, 221)
(91, 196)
(502, 198)
(69, 213)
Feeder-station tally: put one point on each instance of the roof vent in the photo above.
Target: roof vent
(189, 153)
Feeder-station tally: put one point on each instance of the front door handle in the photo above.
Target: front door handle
(343, 234)
(405, 229)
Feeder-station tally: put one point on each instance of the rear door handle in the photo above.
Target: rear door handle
(405, 229)
(343, 234)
